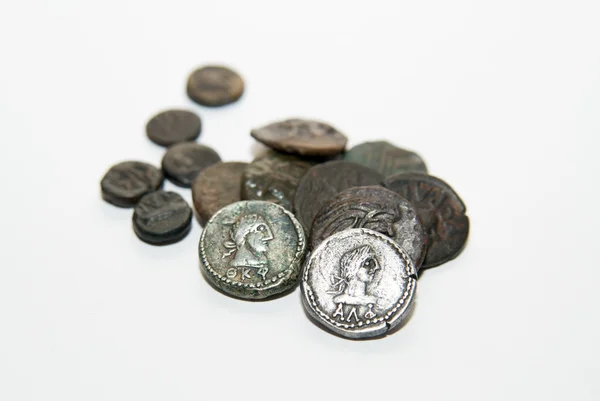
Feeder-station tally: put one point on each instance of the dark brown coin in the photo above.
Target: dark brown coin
(125, 183)
(304, 137)
(173, 126)
(386, 158)
(377, 209)
(441, 211)
(214, 86)
(217, 186)
(323, 181)
(274, 177)
(183, 162)
(162, 218)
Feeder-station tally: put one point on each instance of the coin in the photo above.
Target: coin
(125, 183)
(183, 162)
(214, 86)
(162, 218)
(304, 137)
(323, 181)
(252, 249)
(385, 158)
(441, 211)
(358, 283)
(377, 209)
(173, 126)
(274, 178)
(216, 187)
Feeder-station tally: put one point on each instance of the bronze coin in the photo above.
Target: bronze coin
(441, 211)
(303, 137)
(386, 158)
(162, 218)
(217, 186)
(377, 209)
(323, 181)
(125, 183)
(183, 162)
(173, 126)
(214, 86)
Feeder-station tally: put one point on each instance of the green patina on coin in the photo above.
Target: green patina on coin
(386, 158)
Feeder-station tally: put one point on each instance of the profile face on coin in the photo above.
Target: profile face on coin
(303, 137)
(214, 86)
(173, 126)
(162, 218)
(252, 249)
(183, 162)
(125, 183)
(358, 283)
(386, 158)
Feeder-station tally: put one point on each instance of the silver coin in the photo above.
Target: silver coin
(359, 283)
(252, 249)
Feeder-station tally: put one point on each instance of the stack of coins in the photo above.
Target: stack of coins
(357, 226)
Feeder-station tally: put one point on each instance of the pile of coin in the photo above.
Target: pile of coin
(356, 225)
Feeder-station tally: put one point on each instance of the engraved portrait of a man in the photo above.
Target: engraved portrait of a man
(357, 269)
(248, 243)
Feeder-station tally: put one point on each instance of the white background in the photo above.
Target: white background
(501, 98)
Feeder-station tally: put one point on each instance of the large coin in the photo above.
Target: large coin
(214, 86)
(323, 181)
(173, 126)
(304, 137)
(162, 218)
(386, 158)
(184, 161)
(125, 183)
(252, 249)
(441, 211)
(217, 186)
(375, 208)
(359, 283)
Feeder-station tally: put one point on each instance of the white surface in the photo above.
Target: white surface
(502, 100)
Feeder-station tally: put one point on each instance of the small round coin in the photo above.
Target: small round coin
(377, 209)
(441, 211)
(162, 218)
(323, 181)
(252, 249)
(173, 126)
(216, 187)
(184, 161)
(214, 86)
(125, 183)
(304, 137)
(358, 283)
(386, 158)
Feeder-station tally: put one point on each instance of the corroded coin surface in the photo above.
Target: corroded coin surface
(125, 183)
(304, 137)
(375, 208)
(162, 218)
(215, 86)
(216, 187)
(183, 162)
(252, 249)
(173, 126)
(441, 211)
(274, 177)
(386, 158)
(358, 283)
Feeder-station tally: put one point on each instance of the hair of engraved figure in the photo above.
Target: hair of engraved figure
(239, 230)
(350, 262)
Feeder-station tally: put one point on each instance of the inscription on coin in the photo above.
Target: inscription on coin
(162, 218)
(125, 183)
(173, 126)
(215, 86)
(183, 162)
(386, 158)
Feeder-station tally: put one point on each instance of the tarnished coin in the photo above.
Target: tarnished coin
(441, 211)
(214, 86)
(304, 137)
(162, 218)
(125, 183)
(252, 249)
(274, 178)
(173, 126)
(183, 162)
(386, 158)
(323, 181)
(377, 209)
(358, 283)
(216, 187)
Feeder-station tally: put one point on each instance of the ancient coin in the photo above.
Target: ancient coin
(173, 126)
(358, 283)
(304, 137)
(377, 209)
(386, 158)
(323, 181)
(125, 183)
(274, 178)
(216, 187)
(441, 211)
(214, 86)
(183, 162)
(252, 249)
(162, 218)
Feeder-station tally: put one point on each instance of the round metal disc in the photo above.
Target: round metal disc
(215, 86)
(184, 161)
(162, 218)
(125, 183)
